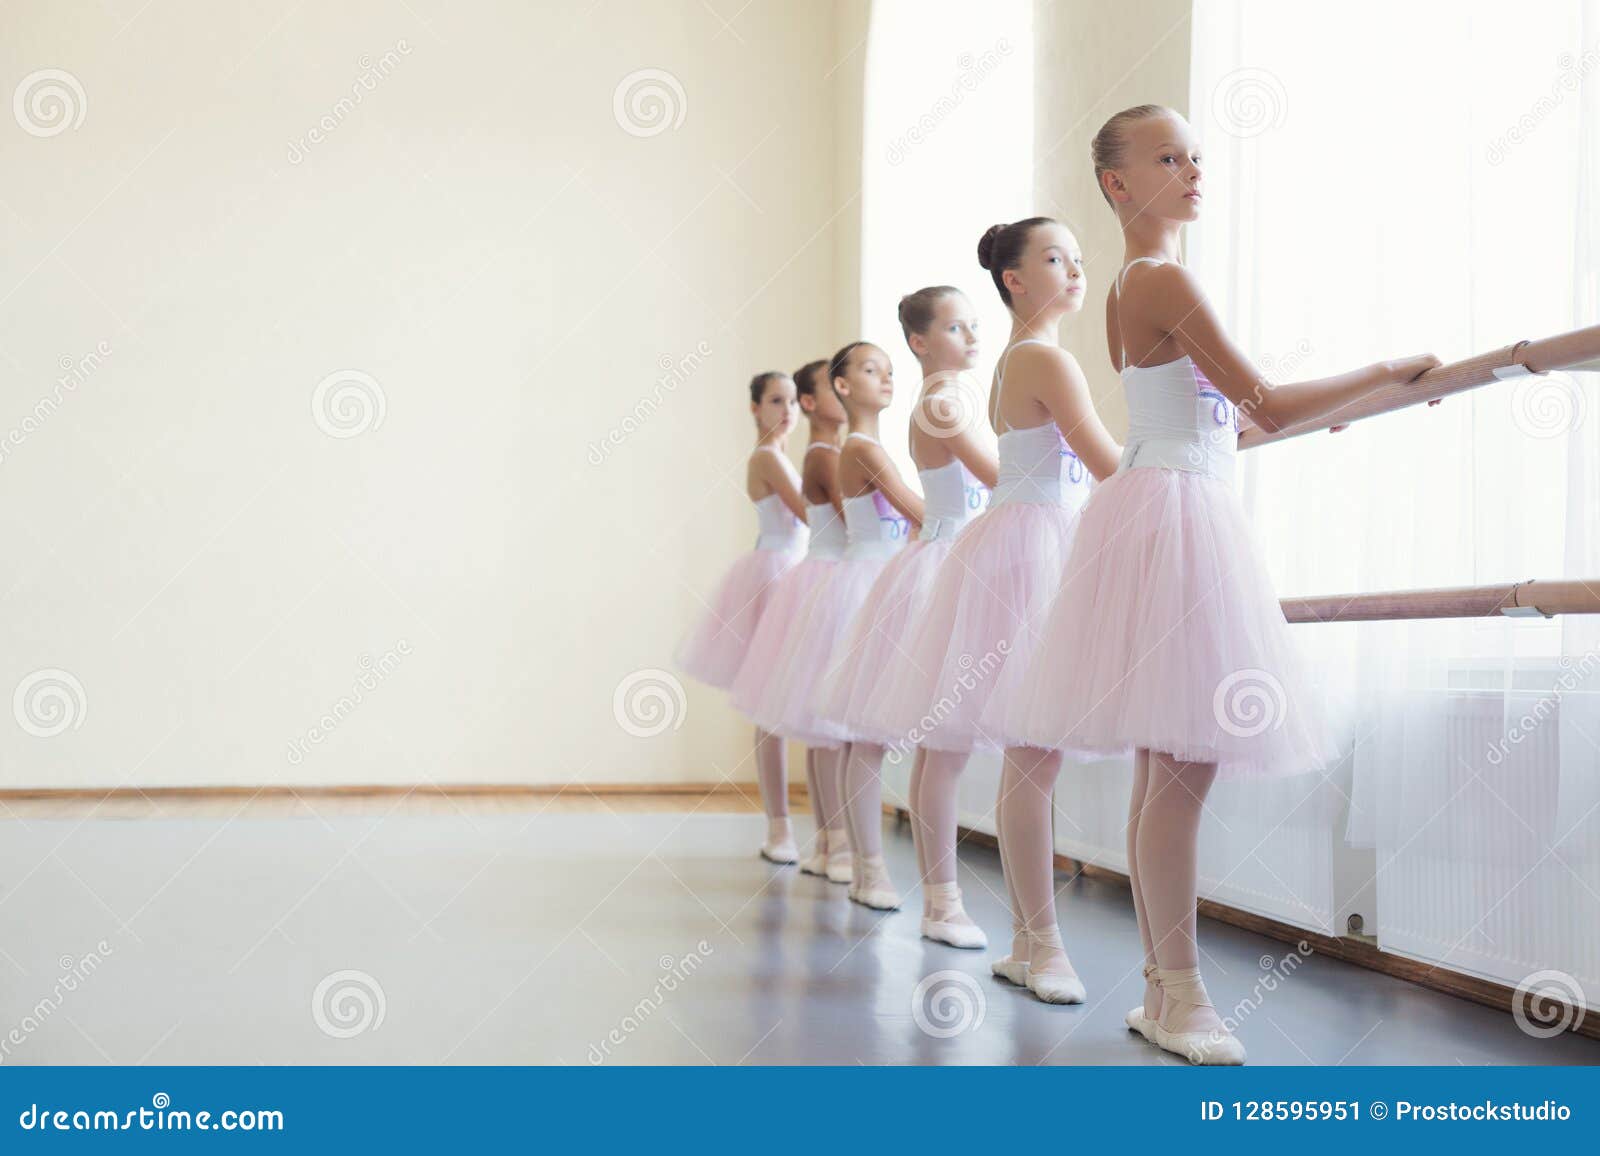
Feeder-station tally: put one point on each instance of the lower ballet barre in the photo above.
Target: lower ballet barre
(1576, 350)
(1533, 598)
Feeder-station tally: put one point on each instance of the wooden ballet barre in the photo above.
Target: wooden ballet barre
(1517, 599)
(1577, 350)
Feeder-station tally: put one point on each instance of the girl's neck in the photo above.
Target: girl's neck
(826, 432)
(1151, 237)
(865, 423)
(772, 439)
(1040, 327)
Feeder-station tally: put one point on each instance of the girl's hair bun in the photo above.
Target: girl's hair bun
(986, 245)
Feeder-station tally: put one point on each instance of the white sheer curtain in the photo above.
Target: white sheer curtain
(947, 152)
(1384, 180)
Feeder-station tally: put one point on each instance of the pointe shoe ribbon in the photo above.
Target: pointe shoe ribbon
(872, 887)
(1136, 1020)
(1053, 986)
(1009, 967)
(949, 922)
(816, 863)
(1216, 1046)
(841, 865)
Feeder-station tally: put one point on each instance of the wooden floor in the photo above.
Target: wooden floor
(579, 927)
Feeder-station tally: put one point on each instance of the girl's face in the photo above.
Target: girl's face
(951, 340)
(822, 404)
(777, 411)
(1050, 273)
(1161, 173)
(868, 380)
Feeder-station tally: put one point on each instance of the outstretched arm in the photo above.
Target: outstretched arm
(1182, 310)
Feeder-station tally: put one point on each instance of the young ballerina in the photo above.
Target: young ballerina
(819, 486)
(717, 646)
(879, 512)
(1167, 622)
(991, 595)
(865, 694)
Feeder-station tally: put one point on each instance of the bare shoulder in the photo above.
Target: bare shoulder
(1043, 358)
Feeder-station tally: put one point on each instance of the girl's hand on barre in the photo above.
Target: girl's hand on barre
(1410, 368)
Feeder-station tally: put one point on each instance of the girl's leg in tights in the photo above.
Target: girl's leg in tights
(934, 820)
(1165, 849)
(863, 801)
(1141, 779)
(1026, 804)
(914, 804)
(772, 778)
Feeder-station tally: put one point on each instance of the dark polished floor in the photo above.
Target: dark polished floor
(609, 936)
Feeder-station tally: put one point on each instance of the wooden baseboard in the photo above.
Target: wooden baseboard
(797, 791)
(1351, 950)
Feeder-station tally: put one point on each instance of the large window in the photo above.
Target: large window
(948, 142)
(1387, 179)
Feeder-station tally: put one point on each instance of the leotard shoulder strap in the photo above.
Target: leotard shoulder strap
(865, 438)
(822, 446)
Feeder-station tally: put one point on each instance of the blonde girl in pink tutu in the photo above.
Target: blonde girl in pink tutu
(819, 485)
(719, 642)
(866, 692)
(1167, 638)
(990, 596)
(880, 512)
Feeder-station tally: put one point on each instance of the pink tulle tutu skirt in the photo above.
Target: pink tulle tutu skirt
(788, 704)
(1168, 635)
(783, 615)
(981, 622)
(714, 649)
(858, 695)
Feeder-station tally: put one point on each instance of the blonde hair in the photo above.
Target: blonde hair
(1110, 145)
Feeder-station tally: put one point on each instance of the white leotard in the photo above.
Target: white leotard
(1036, 464)
(1177, 420)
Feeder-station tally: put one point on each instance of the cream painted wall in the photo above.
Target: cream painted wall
(203, 583)
(1092, 60)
